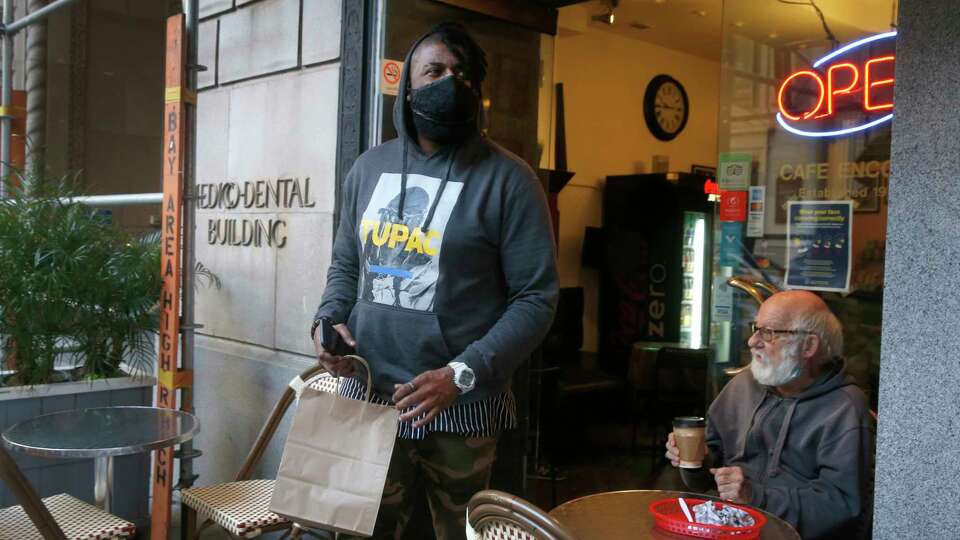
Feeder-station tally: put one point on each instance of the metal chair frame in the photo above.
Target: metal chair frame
(28, 498)
(30, 501)
(294, 531)
(492, 506)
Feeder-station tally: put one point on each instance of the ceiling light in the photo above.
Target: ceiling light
(773, 35)
(700, 12)
(607, 18)
(660, 1)
(739, 24)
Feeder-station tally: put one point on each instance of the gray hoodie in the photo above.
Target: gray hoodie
(808, 457)
(461, 268)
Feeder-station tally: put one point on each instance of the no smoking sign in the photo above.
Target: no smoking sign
(390, 71)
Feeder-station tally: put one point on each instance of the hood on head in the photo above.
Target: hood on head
(402, 115)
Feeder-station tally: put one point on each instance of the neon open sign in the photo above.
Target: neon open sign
(846, 91)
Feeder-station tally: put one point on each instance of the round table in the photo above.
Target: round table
(101, 433)
(624, 514)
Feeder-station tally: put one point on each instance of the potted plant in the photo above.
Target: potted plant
(73, 287)
(72, 283)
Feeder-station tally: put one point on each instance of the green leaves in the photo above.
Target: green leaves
(68, 279)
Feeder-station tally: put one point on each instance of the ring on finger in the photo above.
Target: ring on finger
(413, 387)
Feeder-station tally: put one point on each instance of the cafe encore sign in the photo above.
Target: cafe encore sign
(846, 91)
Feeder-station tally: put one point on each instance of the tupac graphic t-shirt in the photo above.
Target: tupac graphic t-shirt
(400, 258)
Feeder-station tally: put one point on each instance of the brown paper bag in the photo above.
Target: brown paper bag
(335, 461)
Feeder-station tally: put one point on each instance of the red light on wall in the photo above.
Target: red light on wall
(710, 187)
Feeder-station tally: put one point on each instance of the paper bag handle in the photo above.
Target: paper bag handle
(298, 385)
(363, 361)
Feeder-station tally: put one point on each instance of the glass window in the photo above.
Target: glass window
(789, 59)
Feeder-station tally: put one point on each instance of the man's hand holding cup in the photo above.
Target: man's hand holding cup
(686, 445)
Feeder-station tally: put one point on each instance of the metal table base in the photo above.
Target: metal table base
(103, 481)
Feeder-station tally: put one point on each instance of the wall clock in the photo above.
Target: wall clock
(665, 107)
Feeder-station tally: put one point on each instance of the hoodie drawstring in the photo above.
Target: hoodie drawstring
(742, 440)
(773, 466)
(403, 179)
(443, 185)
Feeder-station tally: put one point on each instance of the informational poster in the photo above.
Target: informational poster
(734, 173)
(731, 243)
(755, 210)
(390, 71)
(733, 206)
(818, 245)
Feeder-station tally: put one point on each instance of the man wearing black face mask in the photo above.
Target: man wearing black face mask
(443, 270)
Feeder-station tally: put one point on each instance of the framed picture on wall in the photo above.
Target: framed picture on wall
(865, 193)
(704, 170)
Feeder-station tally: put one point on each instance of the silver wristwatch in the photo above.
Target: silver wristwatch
(463, 377)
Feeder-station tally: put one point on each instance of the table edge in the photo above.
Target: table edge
(102, 452)
(667, 493)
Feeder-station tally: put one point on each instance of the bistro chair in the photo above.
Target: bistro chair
(60, 517)
(495, 515)
(241, 508)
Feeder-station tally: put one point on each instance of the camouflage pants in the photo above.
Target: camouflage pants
(450, 468)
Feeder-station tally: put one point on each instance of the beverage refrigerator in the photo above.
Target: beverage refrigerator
(655, 263)
(693, 303)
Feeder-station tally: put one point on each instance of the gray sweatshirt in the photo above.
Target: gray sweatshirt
(460, 268)
(809, 458)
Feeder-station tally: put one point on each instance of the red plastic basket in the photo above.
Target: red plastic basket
(669, 517)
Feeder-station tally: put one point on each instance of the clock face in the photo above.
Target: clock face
(669, 106)
(665, 107)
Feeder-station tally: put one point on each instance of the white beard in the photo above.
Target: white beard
(772, 371)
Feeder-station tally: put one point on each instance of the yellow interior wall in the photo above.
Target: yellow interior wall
(604, 77)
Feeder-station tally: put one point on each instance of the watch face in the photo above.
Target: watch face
(465, 378)
(665, 107)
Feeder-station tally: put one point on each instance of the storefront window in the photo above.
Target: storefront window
(804, 140)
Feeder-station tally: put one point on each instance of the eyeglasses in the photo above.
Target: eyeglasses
(769, 334)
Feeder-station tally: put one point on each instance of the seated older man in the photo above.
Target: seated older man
(793, 435)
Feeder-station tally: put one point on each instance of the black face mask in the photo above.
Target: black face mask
(445, 111)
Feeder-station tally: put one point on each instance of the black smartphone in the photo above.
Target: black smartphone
(331, 340)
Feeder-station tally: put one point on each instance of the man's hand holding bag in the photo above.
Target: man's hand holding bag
(335, 461)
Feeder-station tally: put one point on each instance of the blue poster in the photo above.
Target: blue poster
(818, 245)
(731, 243)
